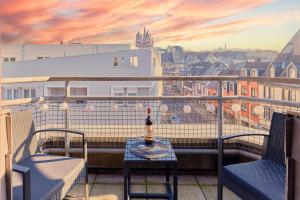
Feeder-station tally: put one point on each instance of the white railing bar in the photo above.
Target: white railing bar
(260, 100)
(203, 98)
(153, 98)
(180, 78)
(153, 78)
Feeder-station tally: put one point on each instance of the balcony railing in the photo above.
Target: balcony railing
(191, 122)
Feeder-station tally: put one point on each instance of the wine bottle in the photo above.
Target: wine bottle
(148, 128)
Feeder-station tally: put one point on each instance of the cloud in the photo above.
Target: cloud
(112, 21)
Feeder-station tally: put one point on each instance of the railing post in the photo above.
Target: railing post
(66, 117)
(220, 133)
(220, 109)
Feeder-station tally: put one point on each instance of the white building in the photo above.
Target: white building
(12, 53)
(80, 60)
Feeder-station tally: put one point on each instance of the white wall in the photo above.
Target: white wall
(100, 64)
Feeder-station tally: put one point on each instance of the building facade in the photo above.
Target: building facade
(130, 62)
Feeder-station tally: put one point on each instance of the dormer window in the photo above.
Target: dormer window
(244, 72)
(254, 73)
(271, 71)
(292, 72)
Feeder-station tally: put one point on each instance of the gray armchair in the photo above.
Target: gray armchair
(43, 176)
(262, 179)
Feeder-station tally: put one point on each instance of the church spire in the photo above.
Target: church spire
(144, 40)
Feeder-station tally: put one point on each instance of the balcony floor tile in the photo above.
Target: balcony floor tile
(210, 193)
(110, 187)
(207, 180)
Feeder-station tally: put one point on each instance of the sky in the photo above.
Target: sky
(192, 24)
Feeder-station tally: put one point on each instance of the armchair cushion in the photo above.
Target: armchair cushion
(263, 178)
(49, 174)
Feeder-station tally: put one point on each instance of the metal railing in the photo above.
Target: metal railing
(111, 119)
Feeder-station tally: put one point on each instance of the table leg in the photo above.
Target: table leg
(126, 197)
(175, 182)
(167, 173)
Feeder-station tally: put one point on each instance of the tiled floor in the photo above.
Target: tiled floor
(110, 187)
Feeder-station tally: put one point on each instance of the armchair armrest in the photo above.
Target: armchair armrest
(84, 141)
(226, 137)
(25, 172)
(231, 136)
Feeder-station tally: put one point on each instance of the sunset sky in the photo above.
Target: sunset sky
(193, 24)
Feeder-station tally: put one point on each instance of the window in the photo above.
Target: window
(16, 94)
(266, 92)
(56, 91)
(253, 73)
(131, 61)
(115, 61)
(231, 87)
(244, 107)
(271, 71)
(224, 86)
(74, 91)
(271, 93)
(26, 93)
(284, 94)
(33, 93)
(9, 59)
(235, 89)
(291, 95)
(78, 91)
(292, 73)
(228, 87)
(244, 90)
(253, 92)
(9, 94)
(244, 72)
(268, 113)
(29, 93)
(41, 57)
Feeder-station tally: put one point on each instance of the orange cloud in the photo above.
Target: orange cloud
(112, 21)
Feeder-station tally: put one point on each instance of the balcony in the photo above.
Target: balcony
(191, 121)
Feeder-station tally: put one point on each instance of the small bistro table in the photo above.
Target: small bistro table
(169, 162)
